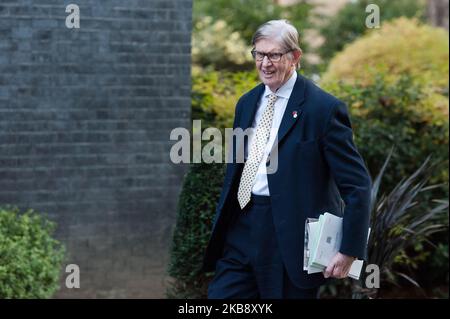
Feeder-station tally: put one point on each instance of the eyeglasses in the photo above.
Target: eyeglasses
(273, 57)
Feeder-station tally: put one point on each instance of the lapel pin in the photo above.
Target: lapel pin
(294, 114)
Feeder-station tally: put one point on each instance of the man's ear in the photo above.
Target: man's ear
(297, 54)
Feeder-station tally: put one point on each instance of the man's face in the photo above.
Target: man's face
(273, 74)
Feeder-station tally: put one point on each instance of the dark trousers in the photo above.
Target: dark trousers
(251, 265)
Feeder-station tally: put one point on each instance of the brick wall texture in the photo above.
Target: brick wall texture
(85, 119)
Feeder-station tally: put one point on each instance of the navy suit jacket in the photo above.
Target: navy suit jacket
(319, 170)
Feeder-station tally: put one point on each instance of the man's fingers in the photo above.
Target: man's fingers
(329, 271)
(337, 271)
(340, 272)
(339, 267)
(345, 272)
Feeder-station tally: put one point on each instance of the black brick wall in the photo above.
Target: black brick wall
(85, 118)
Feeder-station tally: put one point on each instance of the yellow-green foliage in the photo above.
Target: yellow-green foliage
(215, 94)
(403, 114)
(30, 257)
(398, 47)
(214, 43)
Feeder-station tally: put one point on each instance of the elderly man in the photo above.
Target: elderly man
(256, 246)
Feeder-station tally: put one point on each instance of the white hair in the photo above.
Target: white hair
(281, 31)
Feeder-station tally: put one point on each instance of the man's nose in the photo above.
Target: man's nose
(266, 61)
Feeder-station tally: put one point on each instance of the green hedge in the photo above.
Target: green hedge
(196, 207)
(30, 258)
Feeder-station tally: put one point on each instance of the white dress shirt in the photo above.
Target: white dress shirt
(261, 187)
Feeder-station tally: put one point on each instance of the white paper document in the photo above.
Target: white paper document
(322, 242)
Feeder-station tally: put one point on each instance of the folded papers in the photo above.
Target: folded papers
(322, 242)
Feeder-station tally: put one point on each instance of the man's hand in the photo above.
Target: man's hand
(339, 266)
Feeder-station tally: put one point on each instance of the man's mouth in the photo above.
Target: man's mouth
(268, 72)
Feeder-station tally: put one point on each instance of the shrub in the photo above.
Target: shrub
(398, 223)
(215, 44)
(30, 259)
(400, 47)
(196, 207)
(245, 16)
(349, 23)
(214, 95)
(395, 82)
(401, 114)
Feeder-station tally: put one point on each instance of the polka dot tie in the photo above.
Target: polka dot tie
(256, 153)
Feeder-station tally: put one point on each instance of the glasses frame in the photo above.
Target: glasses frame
(253, 52)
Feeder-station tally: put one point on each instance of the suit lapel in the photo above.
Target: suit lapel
(292, 113)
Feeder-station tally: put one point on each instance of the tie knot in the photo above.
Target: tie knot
(272, 98)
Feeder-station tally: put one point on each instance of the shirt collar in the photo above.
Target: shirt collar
(285, 90)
